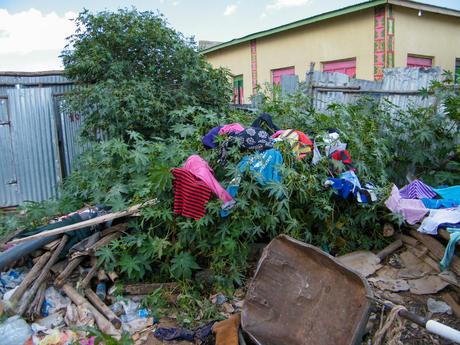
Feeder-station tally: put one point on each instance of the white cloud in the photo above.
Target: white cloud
(279, 4)
(230, 9)
(23, 33)
(175, 3)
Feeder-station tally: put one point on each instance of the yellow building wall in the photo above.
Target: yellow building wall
(238, 60)
(431, 34)
(348, 36)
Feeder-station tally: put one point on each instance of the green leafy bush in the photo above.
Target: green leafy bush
(132, 69)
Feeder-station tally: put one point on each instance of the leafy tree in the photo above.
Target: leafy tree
(132, 70)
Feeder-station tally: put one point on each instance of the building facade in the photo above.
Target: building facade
(359, 40)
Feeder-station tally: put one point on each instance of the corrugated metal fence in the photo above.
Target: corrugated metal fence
(37, 139)
(400, 86)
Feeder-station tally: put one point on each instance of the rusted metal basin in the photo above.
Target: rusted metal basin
(300, 295)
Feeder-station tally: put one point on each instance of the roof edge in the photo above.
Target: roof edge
(31, 74)
(331, 14)
(298, 23)
(425, 7)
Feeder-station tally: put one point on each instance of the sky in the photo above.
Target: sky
(33, 32)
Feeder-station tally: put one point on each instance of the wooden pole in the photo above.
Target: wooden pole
(103, 324)
(86, 223)
(84, 283)
(41, 278)
(100, 305)
(31, 275)
(389, 249)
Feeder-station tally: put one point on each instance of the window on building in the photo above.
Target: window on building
(419, 61)
(347, 66)
(457, 71)
(277, 73)
(238, 91)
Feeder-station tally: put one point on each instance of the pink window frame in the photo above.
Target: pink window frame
(277, 73)
(346, 66)
(419, 61)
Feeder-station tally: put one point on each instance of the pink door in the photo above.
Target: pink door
(277, 73)
(416, 61)
(347, 67)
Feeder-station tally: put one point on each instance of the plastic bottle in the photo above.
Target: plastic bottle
(101, 290)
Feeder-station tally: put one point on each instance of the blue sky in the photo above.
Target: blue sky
(32, 32)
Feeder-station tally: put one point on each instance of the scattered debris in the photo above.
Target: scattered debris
(435, 306)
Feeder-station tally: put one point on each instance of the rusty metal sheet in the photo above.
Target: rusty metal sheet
(300, 295)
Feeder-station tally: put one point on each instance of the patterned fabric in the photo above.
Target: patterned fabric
(254, 138)
(417, 190)
(190, 194)
(301, 143)
(412, 210)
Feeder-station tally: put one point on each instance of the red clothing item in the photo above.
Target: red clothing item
(344, 156)
(190, 194)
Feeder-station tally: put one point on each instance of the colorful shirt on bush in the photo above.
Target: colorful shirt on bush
(417, 190)
(190, 194)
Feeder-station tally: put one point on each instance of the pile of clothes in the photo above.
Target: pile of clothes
(433, 208)
(194, 182)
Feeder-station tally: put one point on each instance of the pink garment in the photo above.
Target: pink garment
(278, 133)
(231, 128)
(413, 210)
(201, 169)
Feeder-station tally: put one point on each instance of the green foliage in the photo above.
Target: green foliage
(102, 338)
(132, 70)
(189, 306)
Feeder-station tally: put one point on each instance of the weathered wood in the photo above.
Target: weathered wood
(436, 249)
(100, 305)
(86, 223)
(35, 306)
(102, 242)
(43, 274)
(145, 289)
(92, 272)
(50, 246)
(71, 266)
(75, 262)
(116, 228)
(450, 300)
(392, 247)
(103, 324)
(29, 278)
(408, 240)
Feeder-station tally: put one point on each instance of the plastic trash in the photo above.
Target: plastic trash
(14, 331)
(53, 302)
(438, 306)
(101, 290)
(11, 279)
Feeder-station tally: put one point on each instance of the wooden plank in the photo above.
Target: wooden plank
(103, 324)
(145, 289)
(392, 247)
(41, 278)
(450, 300)
(100, 305)
(29, 278)
(87, 223)
(436, 249)
(92, 272)
(408, 240)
